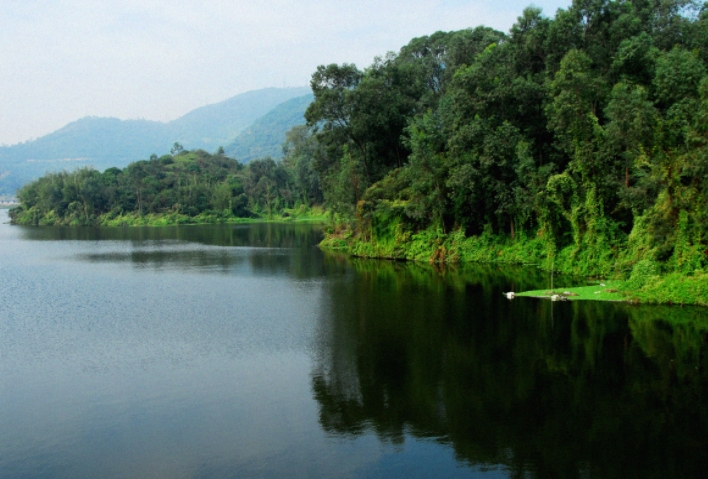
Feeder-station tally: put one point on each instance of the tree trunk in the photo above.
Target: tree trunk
(511, 223)
(626, 176)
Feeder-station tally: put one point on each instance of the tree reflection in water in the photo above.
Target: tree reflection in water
(585, 388)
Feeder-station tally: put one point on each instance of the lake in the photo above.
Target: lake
(245, 351)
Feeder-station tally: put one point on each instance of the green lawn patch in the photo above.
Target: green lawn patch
(674, 288)
(605, 291)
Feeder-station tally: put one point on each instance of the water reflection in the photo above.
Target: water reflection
(262, 248)
(240, 351)
(255, 235)
(549, 390)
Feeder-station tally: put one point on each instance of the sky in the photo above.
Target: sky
(62, 60)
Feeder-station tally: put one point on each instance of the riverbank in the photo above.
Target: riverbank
(607, 291)
(301, 214)
(672, 288)
(625, 277)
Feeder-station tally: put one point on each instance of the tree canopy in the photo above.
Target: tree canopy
(186, 183)
(586, 130)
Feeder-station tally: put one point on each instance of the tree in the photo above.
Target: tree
(176, 149)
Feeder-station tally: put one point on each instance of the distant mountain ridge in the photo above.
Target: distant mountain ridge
(265, 137)
(106, 142)
(212, 126)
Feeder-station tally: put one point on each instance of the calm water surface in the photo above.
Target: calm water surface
(244, 351)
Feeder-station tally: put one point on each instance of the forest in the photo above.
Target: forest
(577, 142)
(178, 188)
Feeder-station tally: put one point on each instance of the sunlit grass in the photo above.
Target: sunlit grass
(674, 288)
(605, 291)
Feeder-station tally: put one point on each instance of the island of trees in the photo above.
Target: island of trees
(577, 142)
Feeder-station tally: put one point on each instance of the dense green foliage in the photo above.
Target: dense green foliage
(185, 187)
(110, 142)
(265, 136)
(578, 140)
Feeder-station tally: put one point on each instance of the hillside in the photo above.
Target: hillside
(267, 134)
(212, 126)
(106, 142)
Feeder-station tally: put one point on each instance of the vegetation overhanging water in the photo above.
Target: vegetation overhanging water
(575, 142)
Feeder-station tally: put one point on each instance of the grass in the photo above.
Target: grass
(301, 214)
(644, 282)
(673, 288)
(605, 291)
(172, 219)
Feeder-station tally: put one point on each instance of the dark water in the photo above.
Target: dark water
(244, 351)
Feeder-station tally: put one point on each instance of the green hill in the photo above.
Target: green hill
(107, 142)
(267, 134)
(212, 126)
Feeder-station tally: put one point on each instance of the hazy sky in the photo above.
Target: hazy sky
(61, 60)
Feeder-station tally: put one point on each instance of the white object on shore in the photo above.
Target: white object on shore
(509, 295)
(558, 297)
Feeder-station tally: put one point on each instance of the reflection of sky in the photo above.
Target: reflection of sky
(112, 367)
(247, 417)
(431, 461)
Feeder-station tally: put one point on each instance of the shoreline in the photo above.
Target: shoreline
(161, 224)
(640, 283)
(170, 219)
(608, 291)
(671, 288)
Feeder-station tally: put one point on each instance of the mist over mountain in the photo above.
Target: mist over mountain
(212, 126)
(106, 142)
(266, 135)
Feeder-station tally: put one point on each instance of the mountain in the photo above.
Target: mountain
(212, 126)
(105, 142)
(266, 135)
